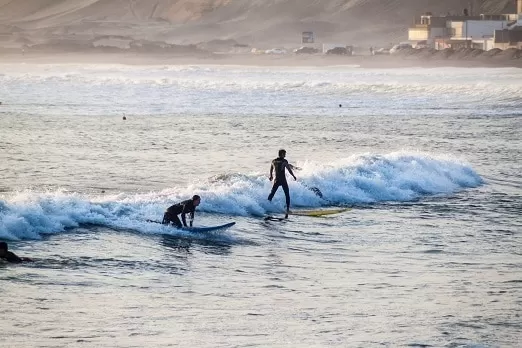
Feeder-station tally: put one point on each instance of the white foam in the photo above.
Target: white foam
(452, 86)
(402, 176)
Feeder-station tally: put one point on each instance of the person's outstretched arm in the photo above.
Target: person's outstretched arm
(289, 167)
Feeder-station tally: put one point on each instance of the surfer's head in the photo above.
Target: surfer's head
(196, 199)
(282, 153)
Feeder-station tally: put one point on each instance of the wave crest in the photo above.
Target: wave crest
(367, 178)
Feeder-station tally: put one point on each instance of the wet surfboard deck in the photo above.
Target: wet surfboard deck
(201, 229)
(318, 212)
(308, 212)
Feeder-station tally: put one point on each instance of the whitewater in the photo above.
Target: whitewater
(428, 160)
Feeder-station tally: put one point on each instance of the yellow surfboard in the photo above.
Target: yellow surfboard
(318, 212)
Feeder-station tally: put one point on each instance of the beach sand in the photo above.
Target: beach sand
(364, 61)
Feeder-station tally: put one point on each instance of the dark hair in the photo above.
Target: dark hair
(3, 245)
(282, 152)
(195, 197)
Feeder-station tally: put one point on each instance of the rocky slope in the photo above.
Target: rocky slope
(255, 22)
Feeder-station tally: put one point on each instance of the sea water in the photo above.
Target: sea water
(429, 160)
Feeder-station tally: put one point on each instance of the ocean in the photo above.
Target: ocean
(429, 160)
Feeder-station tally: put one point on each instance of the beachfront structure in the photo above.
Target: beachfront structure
(428, 28)
(475, 33)
(504, 39)
(458, 31)
(478, 35)
(511, 37)
(453, 31)
(468, 31)
(307, 37)
(487, 32)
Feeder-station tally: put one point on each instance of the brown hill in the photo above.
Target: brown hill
(255, 22)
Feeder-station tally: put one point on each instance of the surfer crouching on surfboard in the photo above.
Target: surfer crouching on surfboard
(183, 208)
(8, 256)
(278, 166)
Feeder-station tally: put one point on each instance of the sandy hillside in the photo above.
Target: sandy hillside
(254, 22)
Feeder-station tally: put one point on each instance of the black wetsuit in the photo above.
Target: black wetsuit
(279, 165)
(11, 257)
(185, 207)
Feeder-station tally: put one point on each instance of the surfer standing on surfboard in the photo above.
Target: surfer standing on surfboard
(185, 207)
(278, 166)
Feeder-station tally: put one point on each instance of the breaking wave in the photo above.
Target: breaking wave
(368, 178)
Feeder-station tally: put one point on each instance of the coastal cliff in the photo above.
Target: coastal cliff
(250, 21)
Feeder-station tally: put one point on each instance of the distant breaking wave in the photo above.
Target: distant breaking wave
(240, 90)
(358, 179)
(344, 79)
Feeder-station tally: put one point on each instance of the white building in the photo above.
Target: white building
(462, 31)
(485, 32)
(475, 29)
(473, 32)
(428, 28)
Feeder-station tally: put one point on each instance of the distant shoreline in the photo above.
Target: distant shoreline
(288, 60)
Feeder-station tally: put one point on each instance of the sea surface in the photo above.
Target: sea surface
(429, 160)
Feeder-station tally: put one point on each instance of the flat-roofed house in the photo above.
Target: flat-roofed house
(486, 32)
(477, 33)
(430, 28)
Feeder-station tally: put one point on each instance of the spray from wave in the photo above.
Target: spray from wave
(358, 179)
